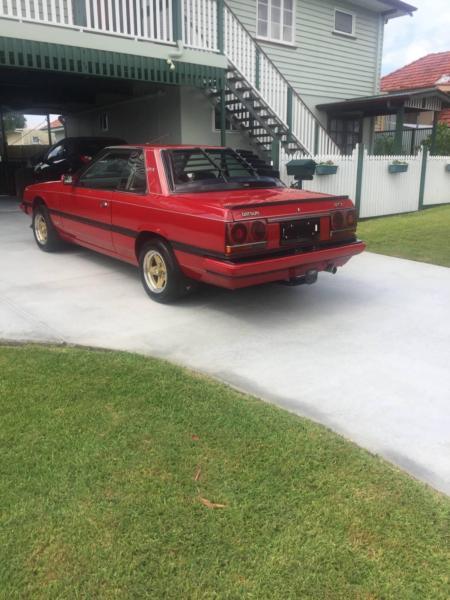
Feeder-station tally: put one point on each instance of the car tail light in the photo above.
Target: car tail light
(351, 218)
(337, 220)
(85, 159)
(343, 219)
(259, 231)
(246, 236)
(239, 233)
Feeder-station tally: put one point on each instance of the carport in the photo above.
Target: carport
(42, 78)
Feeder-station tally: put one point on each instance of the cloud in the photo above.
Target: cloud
(409, 38)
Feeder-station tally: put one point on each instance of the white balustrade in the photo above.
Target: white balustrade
(140, 19)
(54, 12)
(239, 47)
(200, 24)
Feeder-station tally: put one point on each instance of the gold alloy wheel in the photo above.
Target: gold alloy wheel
(40, 228)
(155, 271)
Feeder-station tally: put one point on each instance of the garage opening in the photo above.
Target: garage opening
(25, 139)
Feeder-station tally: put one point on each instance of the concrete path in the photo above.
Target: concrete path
(365, 352)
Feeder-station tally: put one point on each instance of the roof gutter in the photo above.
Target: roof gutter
(397, 9)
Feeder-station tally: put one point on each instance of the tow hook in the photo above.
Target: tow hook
(308, 278)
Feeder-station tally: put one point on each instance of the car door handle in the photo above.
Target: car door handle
(104, 204)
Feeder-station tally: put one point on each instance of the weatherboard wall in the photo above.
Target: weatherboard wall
(323, 66)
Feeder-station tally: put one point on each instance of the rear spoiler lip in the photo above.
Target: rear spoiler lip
(251, 205)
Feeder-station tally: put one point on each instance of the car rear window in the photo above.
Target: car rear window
(204, 169)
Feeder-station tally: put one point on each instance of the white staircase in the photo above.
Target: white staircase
(261, 102)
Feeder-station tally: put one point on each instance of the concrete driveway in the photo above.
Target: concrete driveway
(365, 352)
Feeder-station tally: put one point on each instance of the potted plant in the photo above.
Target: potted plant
(326, 168)
(398, 166)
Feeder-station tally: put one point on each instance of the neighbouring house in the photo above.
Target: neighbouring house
(275, 76)
(27, 137)
(55, 130)
(431, 72)
(427, 75)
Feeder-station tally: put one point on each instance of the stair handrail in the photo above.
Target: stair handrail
(319, 130)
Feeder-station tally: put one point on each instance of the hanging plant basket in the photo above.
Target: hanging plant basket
(447, 168)
(326, 169)
(398, 167)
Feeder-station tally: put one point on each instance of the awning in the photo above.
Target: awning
(386, 104)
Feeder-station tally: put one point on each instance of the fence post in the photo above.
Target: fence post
(275, 151)
(316, 137)
(223, 122)
(289, 112)
(257, 68)
(398, 139)
(359, 177)
(220, 26)
(423, 175)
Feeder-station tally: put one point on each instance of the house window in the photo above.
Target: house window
(276, 20)
(35, 139)
(216, 118)
(344, 22)
(346, 133)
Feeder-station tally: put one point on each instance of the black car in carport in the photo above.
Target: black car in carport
(66, 156)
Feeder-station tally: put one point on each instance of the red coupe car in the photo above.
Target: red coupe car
(185, 214)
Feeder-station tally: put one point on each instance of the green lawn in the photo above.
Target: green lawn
(105, 458)
(423, 236)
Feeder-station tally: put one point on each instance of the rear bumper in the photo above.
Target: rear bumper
(238, 275)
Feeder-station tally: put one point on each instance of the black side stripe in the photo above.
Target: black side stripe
(99, 224)
(133, 234)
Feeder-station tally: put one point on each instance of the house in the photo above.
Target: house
(431, 72)
(270, 75)
(55, 129)
(29, 136)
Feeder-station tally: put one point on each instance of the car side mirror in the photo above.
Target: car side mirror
(68, 179)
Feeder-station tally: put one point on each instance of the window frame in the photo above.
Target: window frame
(345, 33)
(104, 153)
(269, 37)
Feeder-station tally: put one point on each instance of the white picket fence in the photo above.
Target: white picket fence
(437, 182)
(382, 193)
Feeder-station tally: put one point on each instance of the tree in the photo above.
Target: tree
(384, 144)
(13, 121)
(442, 144)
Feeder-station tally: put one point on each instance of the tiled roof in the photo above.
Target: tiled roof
(55, 124)
(426, 72)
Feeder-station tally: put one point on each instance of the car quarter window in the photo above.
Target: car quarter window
(116, 170)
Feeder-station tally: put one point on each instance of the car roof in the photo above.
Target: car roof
(167, 146)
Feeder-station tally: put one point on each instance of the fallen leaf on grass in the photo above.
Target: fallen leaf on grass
(195, 438)
(210, 504)
(198, 474)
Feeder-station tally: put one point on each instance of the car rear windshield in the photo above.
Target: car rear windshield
(207, 169)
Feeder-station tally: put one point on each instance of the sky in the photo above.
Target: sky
(409, 38)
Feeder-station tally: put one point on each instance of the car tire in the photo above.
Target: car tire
(160, 273)
(44, 231)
